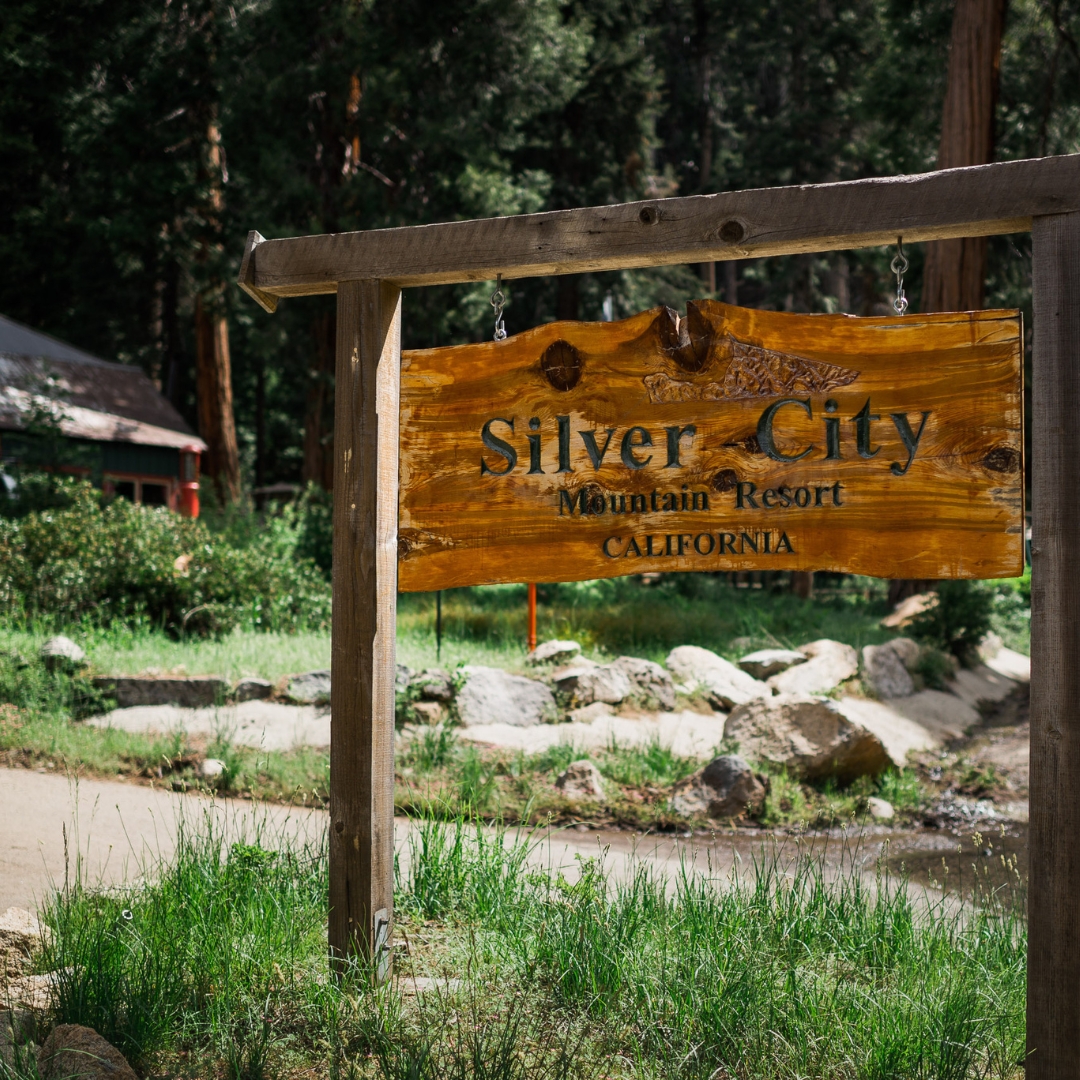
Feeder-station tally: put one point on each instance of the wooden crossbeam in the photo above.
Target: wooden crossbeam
(981, 201)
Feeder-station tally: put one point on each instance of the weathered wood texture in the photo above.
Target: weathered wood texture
(656, 417)
(979, 201)
(364, 619)
(1053, 1012)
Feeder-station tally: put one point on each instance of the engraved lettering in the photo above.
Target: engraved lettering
(503, 449)
(629, 444)
(910, 439)
(765, 429)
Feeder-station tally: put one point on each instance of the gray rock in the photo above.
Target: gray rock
(808, 736)
(648, 680)
(726, 685)
(553, 651)
(725, 788)
(767, 662)
(829, 664)
(311, 688)
(429, 712)
(584, 683)
(188, 691)
(581, 780)
(885, 673)
(434, 684)
(493, 696)
(74, 1052)
(907, 650)
(211, 768)
(880, 809)
(252, 689)
(402, 678)
(61, 652)
(20, 940)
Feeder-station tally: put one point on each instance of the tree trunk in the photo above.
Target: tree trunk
(956, 269)
(213, 386)
(319, 410)
(707, 270)
(567, 304)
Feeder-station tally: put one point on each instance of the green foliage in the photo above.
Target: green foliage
(112, 561)
(935, 667)
(959, 619)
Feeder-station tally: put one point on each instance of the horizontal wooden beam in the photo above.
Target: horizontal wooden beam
(980, 201)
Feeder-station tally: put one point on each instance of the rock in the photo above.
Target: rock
(434, 684)
(907, 650)
(990, 645)
(829, 663)
(880, 809)
(188, 691)
(980, 686)
(20, 940)
(1012, 665)
(581, 780)
(766, 662)
(311, 688)
(906, 611)
(808, 736)
(60, 653)
(588, 713)
(648, 680)
(429, 712)
(586, 683)
(726, 685)
(74, 1052)
(725, 788)
(884, 672)
(493, 696)
(899, 735)
(402, 677)
(551, 651)
(252, 689)
(945, 716)
(211, 768)
(17, 1049)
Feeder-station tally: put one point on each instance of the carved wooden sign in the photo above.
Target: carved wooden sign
(731, 439)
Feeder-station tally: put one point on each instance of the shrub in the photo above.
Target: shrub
(105, 561)
(959, 620)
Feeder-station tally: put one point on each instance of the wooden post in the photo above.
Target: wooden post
(365, 602)
(1053, 1005)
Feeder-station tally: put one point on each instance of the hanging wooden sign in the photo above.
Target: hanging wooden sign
(731, 439)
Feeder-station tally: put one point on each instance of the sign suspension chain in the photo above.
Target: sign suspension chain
(899, 267)
(497, 302)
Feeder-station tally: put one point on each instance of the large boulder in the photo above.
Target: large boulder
(585, 681)
(724, 683)
(829, 663)
(433, 684)
(581, 780)
(311, 688)
(899, 734)
(252, 689)
(808, 736)
(648, 679)
(188, 691)
(885, 673)
(548, 652)
(765, 663)
(61, 653)
(74, 1052)
(725, 788)
(493, 696)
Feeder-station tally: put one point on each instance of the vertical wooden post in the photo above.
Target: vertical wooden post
(365, 603)
(1053, 1005)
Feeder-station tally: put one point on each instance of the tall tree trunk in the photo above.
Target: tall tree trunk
(260, 424)
(213, 387)
(707, 270)
(955, 271)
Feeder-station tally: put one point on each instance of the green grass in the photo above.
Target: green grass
(215, 964)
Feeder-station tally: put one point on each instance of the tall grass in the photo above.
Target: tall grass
(791, 968)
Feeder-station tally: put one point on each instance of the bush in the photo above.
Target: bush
(959, 620)
(103, 561)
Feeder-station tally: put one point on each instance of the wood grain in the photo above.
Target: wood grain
(1053, 1008)
(957, 511)
(977, 201)
(364, 621)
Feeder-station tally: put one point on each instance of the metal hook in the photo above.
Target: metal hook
(497, 302)
(899, 267)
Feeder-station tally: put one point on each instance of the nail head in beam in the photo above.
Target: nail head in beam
(364, 621)
(1053, 1006)
(981, 200)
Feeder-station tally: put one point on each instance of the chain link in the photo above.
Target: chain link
(497, 302)
(899, 267)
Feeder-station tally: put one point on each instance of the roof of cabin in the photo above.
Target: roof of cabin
(92, 398)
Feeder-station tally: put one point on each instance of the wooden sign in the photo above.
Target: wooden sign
(731, 439)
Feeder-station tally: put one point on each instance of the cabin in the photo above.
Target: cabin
(102, 420)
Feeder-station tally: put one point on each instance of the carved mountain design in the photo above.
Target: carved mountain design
(754, 372)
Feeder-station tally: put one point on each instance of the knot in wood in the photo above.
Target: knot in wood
(1005, 459)
(562, 365)
(648, 215)
(725, 480)
(731, 232)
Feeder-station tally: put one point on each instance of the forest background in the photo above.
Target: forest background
(142, 139)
